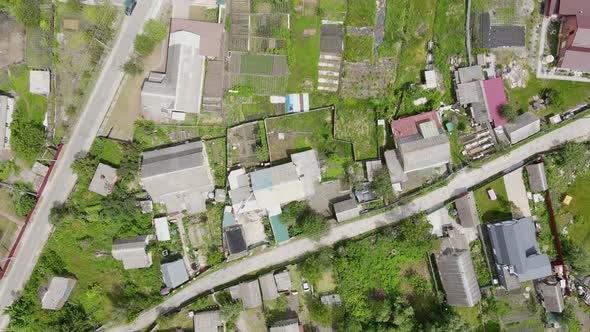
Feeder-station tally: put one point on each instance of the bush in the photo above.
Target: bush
(27, 12)
(153, 33)
(28, 139)
(552, 97)
(508, 112)
(382, 184)
(311, 224)
(133, 66)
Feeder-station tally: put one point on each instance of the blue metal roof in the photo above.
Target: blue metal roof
(279, 230)
(261, 179)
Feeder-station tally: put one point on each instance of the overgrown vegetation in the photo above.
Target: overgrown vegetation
(84, 230)
(144, 44)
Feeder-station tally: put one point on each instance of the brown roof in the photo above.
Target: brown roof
(574, 7)
(576, 58)
(211, 35)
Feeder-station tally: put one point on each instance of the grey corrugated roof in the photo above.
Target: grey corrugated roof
(268, 287)
(470, 74)
(524, 126)
(396, 172)
(467, 210)
(494, 36)
(54, 295)
(291, 325)
(331, 299)
(331, 38)
(283, 281)
(470, 92)
(132, 252)
(208, 321)
(515, 245)
(425, 153)
(174, 273)
(552, 294)
(250, 294)
(103, 180)
(346, 210)
(172, 159)
(537, 177)
(458, 277)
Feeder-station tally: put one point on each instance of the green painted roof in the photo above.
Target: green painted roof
(279, 229)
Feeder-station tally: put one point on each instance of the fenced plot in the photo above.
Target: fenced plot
(269, 25)
(262, 85)
(12, 41)
(268, 45)
(271, 6)
(359, 128)
(256, 64)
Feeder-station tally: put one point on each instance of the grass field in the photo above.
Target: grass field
(580, 207)
(489, 210)
(358, 127)
(573, 93)
(256, 64)
(361, 13)
(33, 107)
(303, 53)
(358, 48)
(333, 10)
(449, 32)
(217, 160)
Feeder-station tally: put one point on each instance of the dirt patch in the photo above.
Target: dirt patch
(241, 143)
(127, 107)
(12, 41)
(367, 80)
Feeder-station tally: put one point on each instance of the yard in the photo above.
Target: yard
(80, 246)
(304, 52)
(358, 48)
(333, 10)
(300, 132)
(573, 93)
(216, 152)
(149, 134)
(359, 127)
(497, 210)
(361, 13)
(580, 208)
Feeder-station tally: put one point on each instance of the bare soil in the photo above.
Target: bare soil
(12, 41)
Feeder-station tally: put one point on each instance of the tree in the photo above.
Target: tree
(133, 66)
(311, 224)
(508, 112)
(230, 311)
(573, 157)
(28, 139)
(23, 203)
(382, 184)
(27, 12)
(262, 153)
(552, 97)
(143, 45)
(155, 30)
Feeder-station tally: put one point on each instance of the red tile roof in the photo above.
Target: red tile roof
(495, 98)
(574, 7)
(408, 126)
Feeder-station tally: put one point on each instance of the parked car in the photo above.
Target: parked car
(305, 285)
(130, 6)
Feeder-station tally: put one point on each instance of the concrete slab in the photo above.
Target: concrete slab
(438, 219)
(517, 193)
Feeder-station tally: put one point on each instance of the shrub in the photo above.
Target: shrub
(508, 112)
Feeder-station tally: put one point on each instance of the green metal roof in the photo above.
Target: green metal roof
(279, 229)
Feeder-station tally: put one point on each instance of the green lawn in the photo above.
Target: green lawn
(489, 210)
(108, 150)
(361, 13)
(358, 48)
(256, 64)
(333, 10)
(573, 93)
(303, 52)
(580, 207)
(358, 127)
(449, 31)
(32, 107)
(216, 152)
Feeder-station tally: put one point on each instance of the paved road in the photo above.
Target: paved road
(578, 130)
(62, 180)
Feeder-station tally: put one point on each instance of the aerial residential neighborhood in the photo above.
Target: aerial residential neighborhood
(294, 165)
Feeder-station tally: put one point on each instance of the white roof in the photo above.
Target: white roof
(162, 230)
(430, 76)
(39, 82)
(56, 293)
(104, 179)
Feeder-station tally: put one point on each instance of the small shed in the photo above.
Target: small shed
(71, 24)
(290, 325)
(537, 177)
(233, 237)
(208, 321)
(372, 167)
(162, 229)
(39, 82)
(104, 180)
(331, 300)
(250, 294)
(283, 281)
(174, 273)
(467, 210)
(346, 210)
(54, 294)
(552, 294)
(268, 287)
